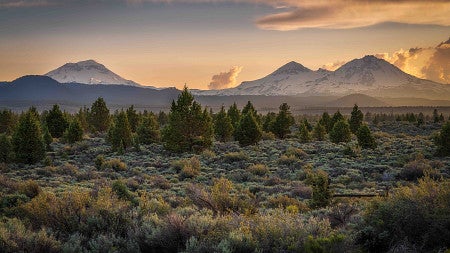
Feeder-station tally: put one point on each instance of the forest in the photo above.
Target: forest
(233, 180)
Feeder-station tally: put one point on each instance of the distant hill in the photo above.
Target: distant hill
(359, 99)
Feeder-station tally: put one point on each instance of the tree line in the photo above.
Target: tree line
(188, 127)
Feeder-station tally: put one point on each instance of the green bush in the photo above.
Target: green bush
(340, 132)
(365, 137)
(442, 140)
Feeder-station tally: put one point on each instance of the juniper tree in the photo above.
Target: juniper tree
(8, 121)
(325, 121)
(442, 140)
(337, 116)
(340, 132)
(83, 116)
(133, 118)
(303, 134)
(365, 137)
(163, 118)
(48, 139)
(356, 119)
(56, 122)
(307, 124)
(249, 108)
(223, 128)
(188, 128)
(119, 134)
(319, 132)
(321, 192)
(148, 130)
(5, 149)
(249, 131)
(74, 132)
(283, 122)
(268, 121)
(235, 115)
(99, 117)
(27, 140)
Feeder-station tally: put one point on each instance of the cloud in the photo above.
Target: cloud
(431, 63)
(341, 14)
(333, 66)
(23, 3)
(225, 80)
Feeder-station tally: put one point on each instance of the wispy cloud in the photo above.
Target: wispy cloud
(431, 63)
(333, 66)
(23, 3)
(225, 80)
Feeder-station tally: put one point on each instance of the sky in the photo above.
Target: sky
(211, 44)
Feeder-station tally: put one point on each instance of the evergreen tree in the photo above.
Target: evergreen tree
(133, 118)
(365, 137)
(119, 134)
(283, 122)
(8, 122)
(163, 118)
(82, 116)
(442, 140)
(307, 124)
(188, 129)
(435, 116)
(340, 132)
(249, 131)
(56, 122)
(148, 130)
(321, 192)
(441, 118)
(235, 115)
(28, 143)
(319, 132)
(249, 108)
(223, 127)
(74, 132)
(303, 134)
(337, 116)
(420, 119)
(5, 149)
(268, 121)
(325, 121)
(99, 116)
(356, 119)
(48, 139)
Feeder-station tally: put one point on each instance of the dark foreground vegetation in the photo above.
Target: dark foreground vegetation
(230, 181)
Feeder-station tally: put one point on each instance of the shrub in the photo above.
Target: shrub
(235, 157)
(415, 169)
(114, 164)
(99, 161)
(258, 169)
(249, 131)
(417, 214)
(29, 188)
(321, 192)
(297, 152)
(188, 168)
(303, 134)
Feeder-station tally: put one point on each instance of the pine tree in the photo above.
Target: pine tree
(28, 143)
(268, 121)
(249, 108)
(319, 132)
(148, 130)
(8, 121)
(442, 140)
(223, 128)
(249, 131)
(283, 122)
(82, 116)
(325, 121)
(133, 118)
(99, 117)
(303, 134)
(5, 149)
(340, 132)
(356, 119)
(119, 134)
(337, 116)
(74, 132)
(56, 122)
(188, 129)
(307, 124)
(365, 138)
(235, 115)
(163, 118)
(48, 139)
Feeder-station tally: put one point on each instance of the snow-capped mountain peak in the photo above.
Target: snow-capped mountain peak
(88, 72)
(291, 68)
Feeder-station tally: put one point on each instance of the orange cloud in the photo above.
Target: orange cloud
(225, 80)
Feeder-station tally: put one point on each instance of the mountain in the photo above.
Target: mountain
(37, 90)
(88, 72)
(368, 75)
(359, 99)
